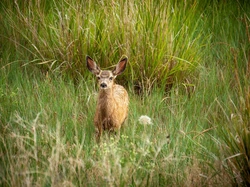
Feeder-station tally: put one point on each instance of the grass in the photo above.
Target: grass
(188, 71)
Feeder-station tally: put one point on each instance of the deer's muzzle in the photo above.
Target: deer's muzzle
(103, 85)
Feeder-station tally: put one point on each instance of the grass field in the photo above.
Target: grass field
(189, 71)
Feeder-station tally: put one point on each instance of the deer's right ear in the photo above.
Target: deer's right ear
(91, 65)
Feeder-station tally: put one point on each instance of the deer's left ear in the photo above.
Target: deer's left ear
(120, 67)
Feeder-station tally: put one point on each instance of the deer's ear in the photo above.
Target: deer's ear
(121, 66)
(91, 65)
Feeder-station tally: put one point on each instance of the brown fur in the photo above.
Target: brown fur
(112, 104)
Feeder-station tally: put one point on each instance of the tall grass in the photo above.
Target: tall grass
(160, 38)
(189, 62)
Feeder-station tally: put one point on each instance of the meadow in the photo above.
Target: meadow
(188, 70)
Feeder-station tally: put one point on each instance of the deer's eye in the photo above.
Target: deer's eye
(111, 78)
(98, 78)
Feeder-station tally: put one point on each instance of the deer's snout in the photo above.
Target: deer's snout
(103, 85)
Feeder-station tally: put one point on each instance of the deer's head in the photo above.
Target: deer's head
(106, 77)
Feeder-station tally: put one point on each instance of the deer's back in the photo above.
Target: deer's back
(120, 95)
(121, 104)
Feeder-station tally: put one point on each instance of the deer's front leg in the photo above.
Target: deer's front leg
(98, 133)
(98, 127)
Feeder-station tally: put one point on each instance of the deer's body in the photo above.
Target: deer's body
(112, 108)
(112, 104)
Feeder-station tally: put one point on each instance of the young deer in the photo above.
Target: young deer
(112, 104)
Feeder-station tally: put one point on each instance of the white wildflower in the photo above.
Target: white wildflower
(145, 120)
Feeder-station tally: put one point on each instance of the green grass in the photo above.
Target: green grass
(188, 71)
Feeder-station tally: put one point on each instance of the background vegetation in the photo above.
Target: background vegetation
(189, 70)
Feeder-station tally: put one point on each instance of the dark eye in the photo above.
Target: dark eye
(98, 78)
(111, 78)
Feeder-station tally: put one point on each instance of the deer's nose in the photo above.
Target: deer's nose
(103, 85)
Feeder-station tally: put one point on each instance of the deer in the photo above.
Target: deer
(113, 100)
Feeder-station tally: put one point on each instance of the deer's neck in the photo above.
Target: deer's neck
(106, 102)
(105, 95)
